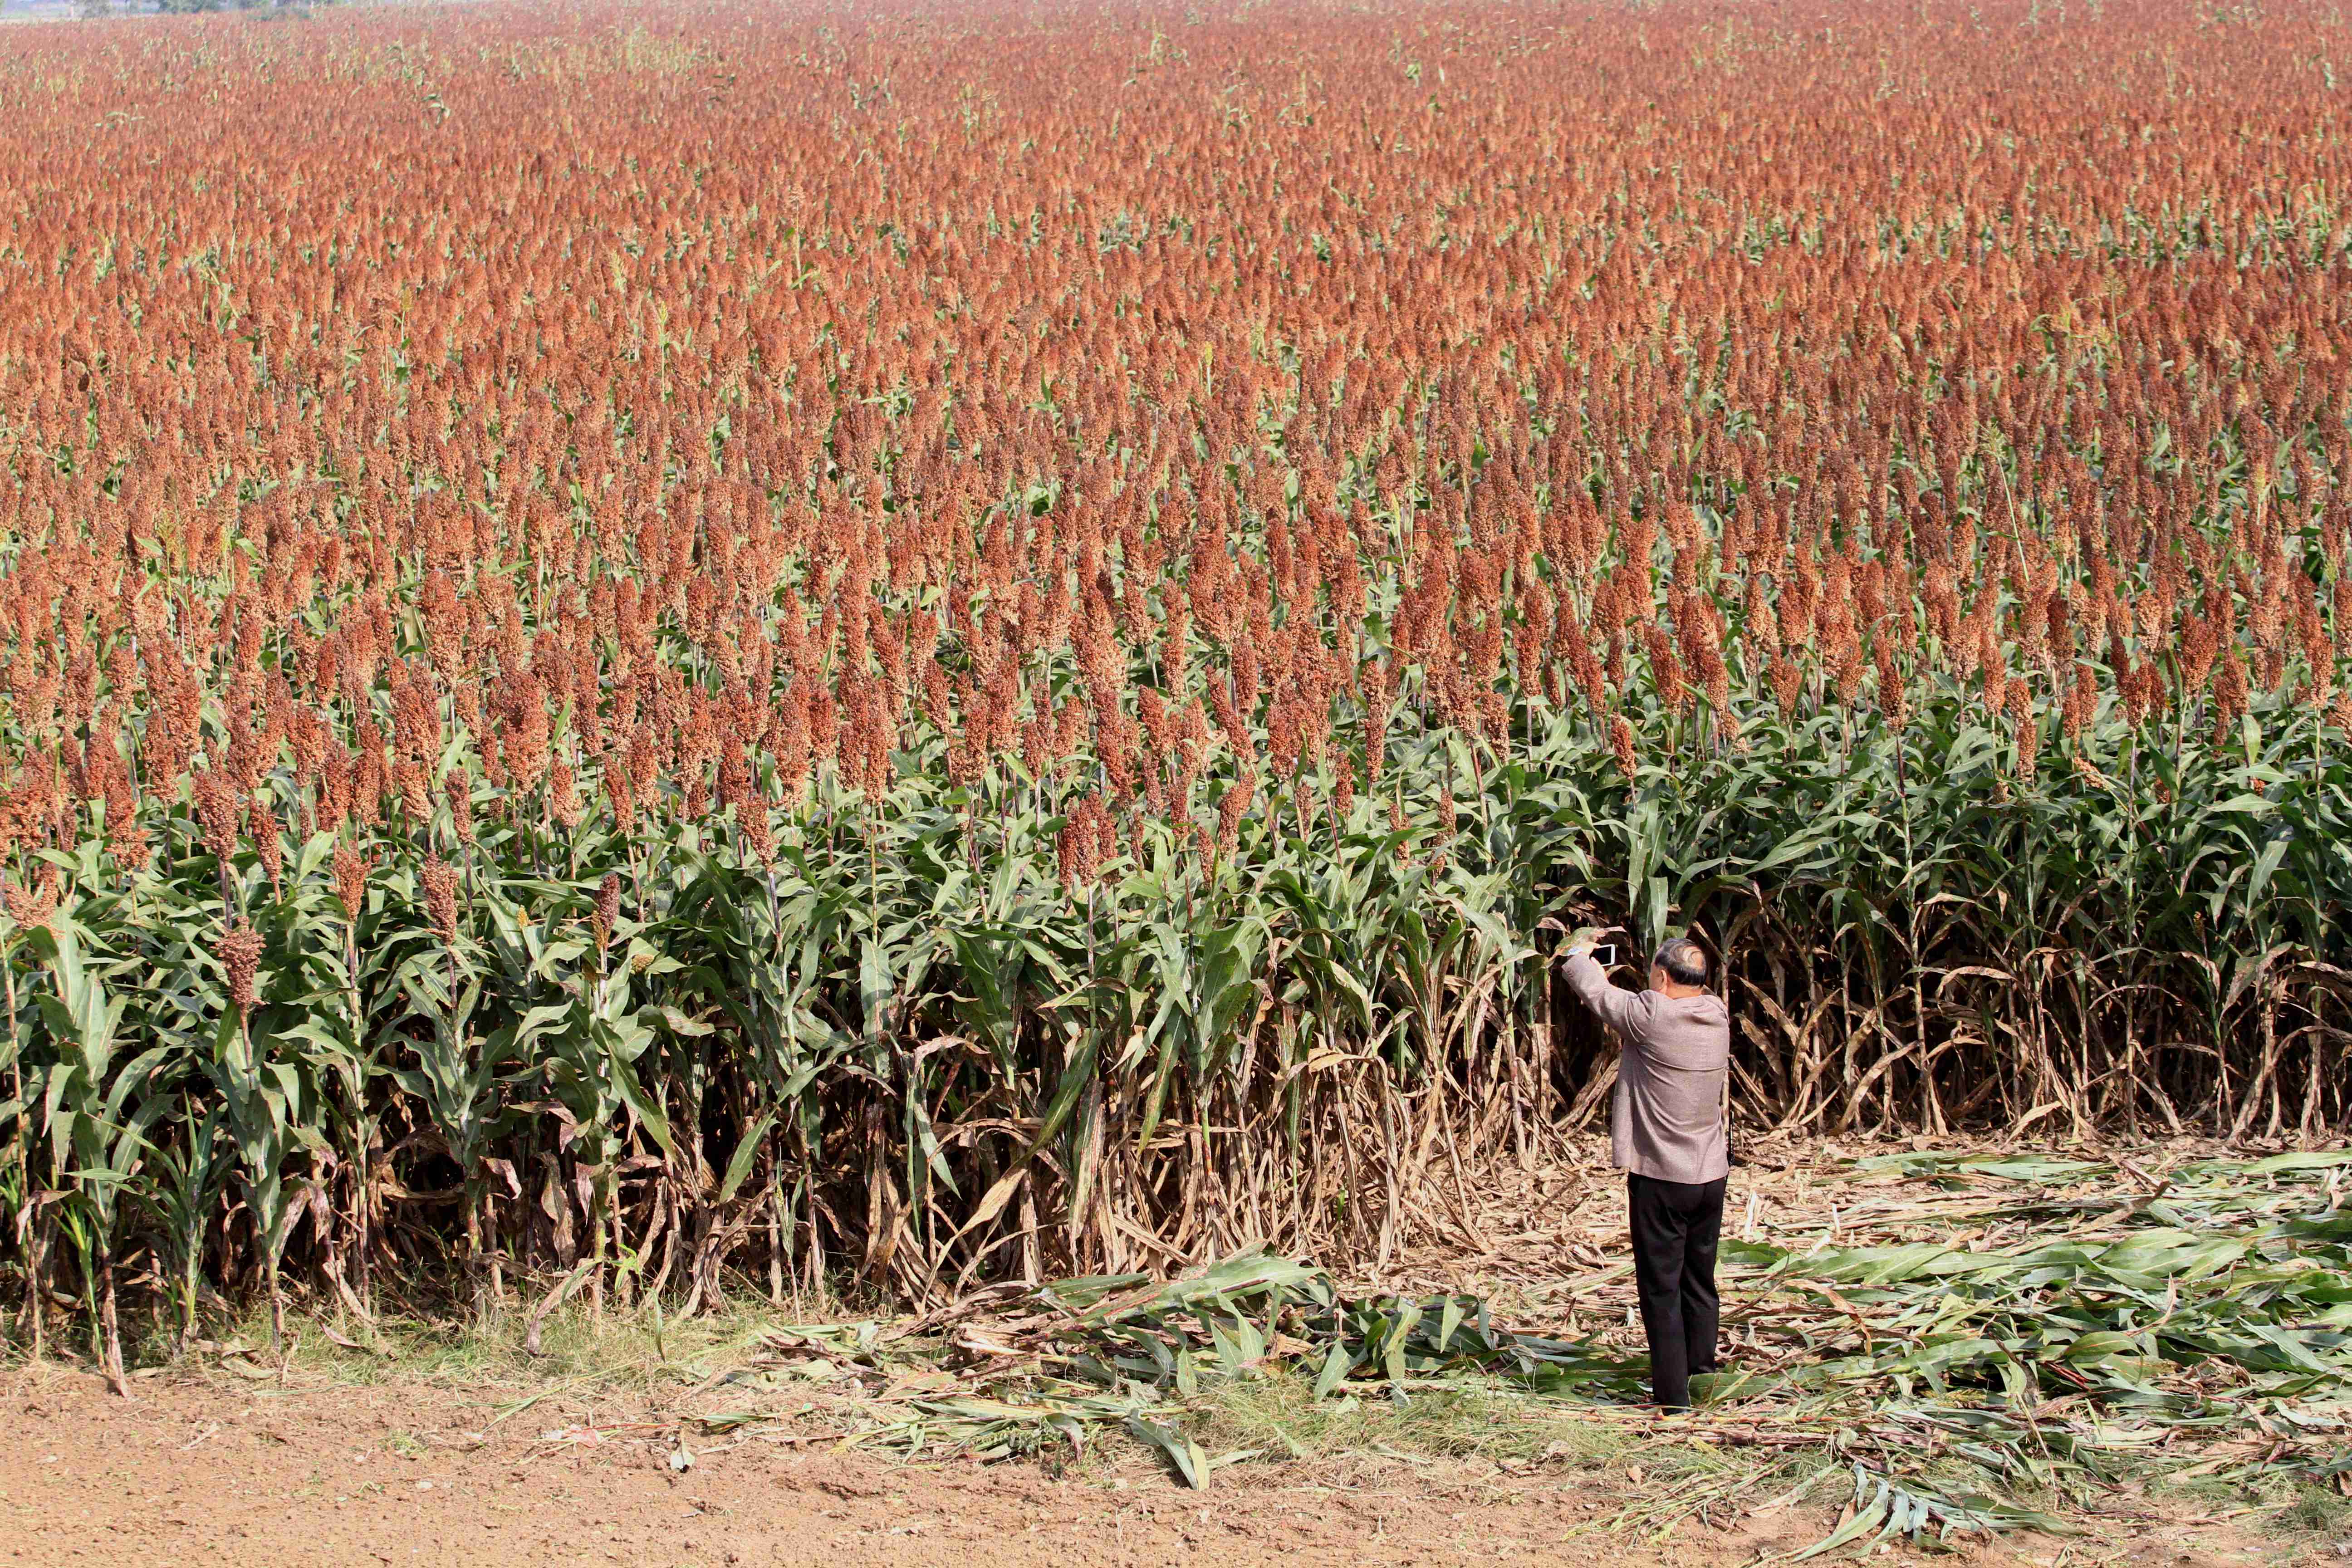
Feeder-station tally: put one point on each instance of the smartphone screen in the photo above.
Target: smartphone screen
(1605, 955)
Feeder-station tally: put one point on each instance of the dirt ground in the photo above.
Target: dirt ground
(210, 1467)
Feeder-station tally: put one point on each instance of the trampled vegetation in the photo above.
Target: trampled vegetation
(648, 641)
(2058, 1328)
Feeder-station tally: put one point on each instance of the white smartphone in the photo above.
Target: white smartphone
(1605, 954)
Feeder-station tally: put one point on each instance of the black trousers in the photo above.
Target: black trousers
(1676, 1226)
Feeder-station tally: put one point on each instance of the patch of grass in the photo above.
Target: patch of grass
(640, 1346)
(2316, 1510)
(2296, 1508)
(2290, 1504)
(1277, 1414)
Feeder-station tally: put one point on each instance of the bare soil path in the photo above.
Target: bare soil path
(209, 1467)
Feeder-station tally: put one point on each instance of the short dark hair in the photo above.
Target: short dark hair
(1683, 960)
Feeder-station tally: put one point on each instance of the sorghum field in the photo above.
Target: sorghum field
(691, 647)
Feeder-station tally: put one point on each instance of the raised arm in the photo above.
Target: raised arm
(1621, 1010)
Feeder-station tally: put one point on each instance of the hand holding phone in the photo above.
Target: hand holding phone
(1585, 940)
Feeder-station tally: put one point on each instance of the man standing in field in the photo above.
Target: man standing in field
(1666, 1133)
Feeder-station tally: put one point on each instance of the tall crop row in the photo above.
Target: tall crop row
(652, 647)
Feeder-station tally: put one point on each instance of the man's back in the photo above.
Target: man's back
(1667, 1119)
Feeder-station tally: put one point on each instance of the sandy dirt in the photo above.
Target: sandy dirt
(215, 1468)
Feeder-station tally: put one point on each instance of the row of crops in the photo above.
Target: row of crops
(789, 651)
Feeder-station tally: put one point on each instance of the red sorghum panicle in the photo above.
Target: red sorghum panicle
(239, 952)
(440, 880)
(268, 845)
(457, 789)
(351, 879)
(34, 907)
(218, 811)
(607, 910)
